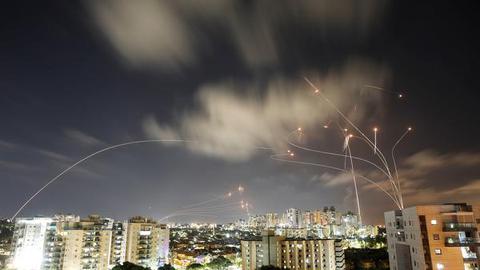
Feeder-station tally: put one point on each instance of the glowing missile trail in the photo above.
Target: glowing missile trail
(275, 157)
(355, 185)
(398, 94)
(332, 154)
(395, 163)
(85, 158)
(377, 152)
(101, 151)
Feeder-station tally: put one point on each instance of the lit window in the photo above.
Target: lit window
(440, 266)
(438, 251)
(434, 222)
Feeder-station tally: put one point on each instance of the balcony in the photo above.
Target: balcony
(459, 226)
(464, 242)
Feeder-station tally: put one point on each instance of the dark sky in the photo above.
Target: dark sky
(79, 76)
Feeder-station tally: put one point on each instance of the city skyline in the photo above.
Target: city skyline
(81, 76)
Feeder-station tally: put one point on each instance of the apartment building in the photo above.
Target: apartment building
(292, 253)
(92, 243)
(147, 242)
(436, 237)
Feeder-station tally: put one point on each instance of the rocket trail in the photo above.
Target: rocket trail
(275, 157)
(86, 158)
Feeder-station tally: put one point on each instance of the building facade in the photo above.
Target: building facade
(93, 243)
(147, 242)
(29, 238)
(292, 253)
(434, 237)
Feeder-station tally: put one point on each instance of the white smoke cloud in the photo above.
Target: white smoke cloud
(171, 34)
(81, 137)
(231, 125)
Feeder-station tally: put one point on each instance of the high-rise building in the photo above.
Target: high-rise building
(87, 243)
(147, 242)
(308, 219)
(29, 242)
(95, 243)
(257, 221)
(292, 253)
(320, 217)
(436, 237)
(119, 243)
(294, 218)
(272, 220)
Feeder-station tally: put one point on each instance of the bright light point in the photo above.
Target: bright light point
(350, 135)
(288, 151)
(325, 126)
(400, 95)
(409, 128)
(229, 194)
(292, 154)
(316, 90)
(299, 129)
(240, 189)
(375, 129)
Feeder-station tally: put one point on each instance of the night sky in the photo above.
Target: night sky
(77, 76)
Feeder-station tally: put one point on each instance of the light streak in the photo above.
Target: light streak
(84, 159)
(275, 157)
(395, 163)
(355, 185)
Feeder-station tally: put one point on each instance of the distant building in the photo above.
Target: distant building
(298, 254)
(308, 219)
(294, 218)
(272, 220)
(437, 237)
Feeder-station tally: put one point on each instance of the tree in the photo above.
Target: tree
(219, 263)
(129, 266)
(194, 266)
(166, 267)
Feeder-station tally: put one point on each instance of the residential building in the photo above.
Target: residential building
(272, 220)
(436, 237)
(292, 253)
(119, 243)
(93, 243)
(294, 218)
(29, 242)
(87, 243)
(147, 242)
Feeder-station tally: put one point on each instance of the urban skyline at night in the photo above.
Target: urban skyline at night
(239, 135)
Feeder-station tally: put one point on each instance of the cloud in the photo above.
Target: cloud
(10, 165)
(53, 155)
(173, 34)
(232, 120)
(82, 137)
(145, 33)
(7, 145)
(334, 180)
